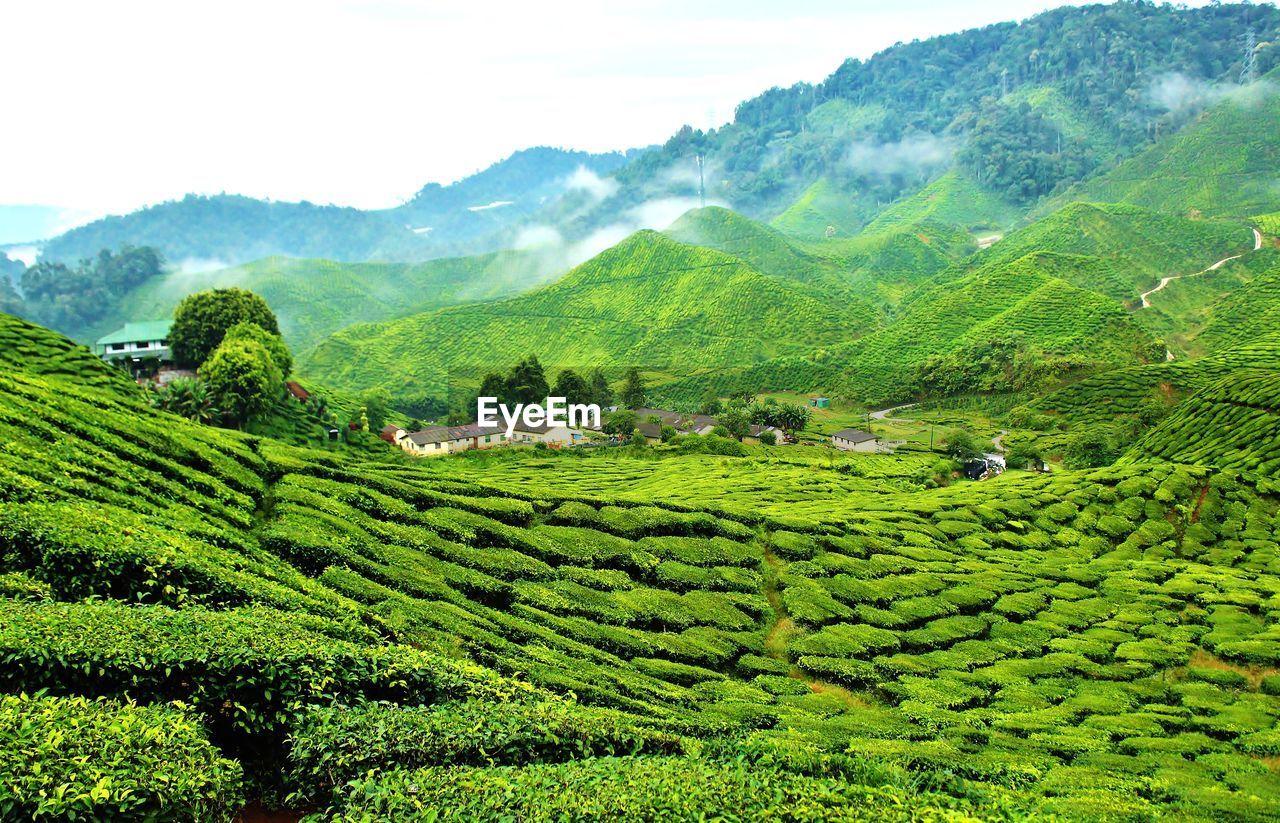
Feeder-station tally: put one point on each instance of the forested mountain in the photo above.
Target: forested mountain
(439, 220)
(1020, 110)
(505, 193)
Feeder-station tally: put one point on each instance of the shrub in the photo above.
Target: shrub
(332, 745)
(68, 758)
(251, 670)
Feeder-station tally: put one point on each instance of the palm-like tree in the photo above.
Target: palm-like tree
(189, 397)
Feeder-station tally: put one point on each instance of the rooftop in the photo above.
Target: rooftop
(854, 435)
(146, 330)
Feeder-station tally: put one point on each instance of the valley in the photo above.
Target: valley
(937, 476)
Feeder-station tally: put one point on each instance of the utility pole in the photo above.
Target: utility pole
(1249, 71)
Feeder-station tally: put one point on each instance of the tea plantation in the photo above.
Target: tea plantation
(192, 618)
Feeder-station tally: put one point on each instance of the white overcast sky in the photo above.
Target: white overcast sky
(109, 106)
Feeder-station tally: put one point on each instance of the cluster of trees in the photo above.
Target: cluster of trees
(526, 382)
(733, 420)
(75, 298)
(1003, 364)
(232, 338)
(1021, 154)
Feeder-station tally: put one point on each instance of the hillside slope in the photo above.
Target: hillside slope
(1231, 423)
(1142, 244)
(1223, 164)
(315, 298)
(649, 301)
(384, 640)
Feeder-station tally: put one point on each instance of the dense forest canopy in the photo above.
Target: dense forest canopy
(1099, 77)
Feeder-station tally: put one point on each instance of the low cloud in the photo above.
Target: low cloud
(1178, 94)
(584, 179)
(557, 253)
(921, 152)
(199, 265)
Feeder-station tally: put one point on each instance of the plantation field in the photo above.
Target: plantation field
(383, 638)
(1221, 164)
(649, 301)
(315, 298)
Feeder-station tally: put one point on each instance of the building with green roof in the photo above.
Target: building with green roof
(136, 341)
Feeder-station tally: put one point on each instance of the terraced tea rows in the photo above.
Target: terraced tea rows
(367, 637)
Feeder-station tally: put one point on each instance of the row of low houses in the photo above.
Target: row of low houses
(700, 424)
(435, 441)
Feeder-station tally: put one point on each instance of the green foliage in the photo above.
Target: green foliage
(632, 395)
(67, 758)
(248, 332)
(331, 746)
(189, 397)
(81, 300)
(201, 320)
(244, 378)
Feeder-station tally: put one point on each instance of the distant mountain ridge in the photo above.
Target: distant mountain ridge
(449, 220)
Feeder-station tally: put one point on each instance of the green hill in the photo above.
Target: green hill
(1221, 165)
(384, 639)
(763, 247)
(825, 203)
(315, 298)
(1102, 397)
(1142, 245)
(1232, 423)
(953, 198)
(649, 301)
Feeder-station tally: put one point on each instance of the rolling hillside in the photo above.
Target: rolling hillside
(315, 298)
(384, 639)
(1221, 165)
(649, 301)
(1231, 423)
(1141, 245)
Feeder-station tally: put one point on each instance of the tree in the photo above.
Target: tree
(633, 389)
(243, 377)
(736, 422)
(202, 319)
(768, 438)
(494, 385)
(667, 433)
(601, 394)
(621, 422)
(1090, 448)
(189, 397)
(527, 383)
(273, 343)
(571, 385)
(710, 403)
(961, 445)
(375, 403)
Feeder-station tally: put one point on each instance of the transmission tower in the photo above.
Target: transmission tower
(1249, 71)
(702, 187)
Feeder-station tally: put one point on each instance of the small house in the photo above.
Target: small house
(136, 341)
(295, 389)
(436, 441)
(392, 433)
(820, 402)
(544, 433)
(854, 440)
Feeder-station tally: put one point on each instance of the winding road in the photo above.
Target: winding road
(1164, 281)
(882, 414)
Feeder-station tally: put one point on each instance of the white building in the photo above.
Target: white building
(854, 440)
